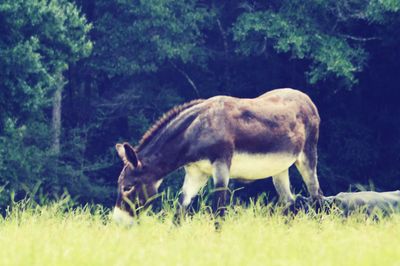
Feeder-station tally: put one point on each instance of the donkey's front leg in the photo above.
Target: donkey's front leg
(221, 180)
(194, 181)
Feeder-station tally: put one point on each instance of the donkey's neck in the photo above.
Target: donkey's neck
(167, 149)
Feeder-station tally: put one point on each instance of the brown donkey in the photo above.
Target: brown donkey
(224, 137)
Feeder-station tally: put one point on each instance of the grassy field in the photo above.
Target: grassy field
(56, 235)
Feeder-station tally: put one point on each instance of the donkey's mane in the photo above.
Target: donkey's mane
(163, 121)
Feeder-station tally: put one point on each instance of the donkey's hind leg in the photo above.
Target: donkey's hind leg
(307, 166)
(282, 186)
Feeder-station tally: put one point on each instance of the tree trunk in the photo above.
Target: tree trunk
(56, 116)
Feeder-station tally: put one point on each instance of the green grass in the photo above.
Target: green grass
(59, 235)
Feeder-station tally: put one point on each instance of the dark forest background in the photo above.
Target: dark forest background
(76, 77)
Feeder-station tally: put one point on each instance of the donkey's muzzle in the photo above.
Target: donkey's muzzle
(122, 217)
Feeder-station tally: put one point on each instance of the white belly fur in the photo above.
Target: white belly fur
(252, 166)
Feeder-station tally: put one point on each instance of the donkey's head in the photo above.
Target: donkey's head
(137, 184)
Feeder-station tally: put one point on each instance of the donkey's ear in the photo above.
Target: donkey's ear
(127, 154)
(121, 151)
(131, 155)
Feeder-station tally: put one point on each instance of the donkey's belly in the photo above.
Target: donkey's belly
(253, 166)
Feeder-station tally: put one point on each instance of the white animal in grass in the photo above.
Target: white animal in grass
(367, 201)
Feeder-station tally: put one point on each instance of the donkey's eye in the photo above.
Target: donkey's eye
(127, 188)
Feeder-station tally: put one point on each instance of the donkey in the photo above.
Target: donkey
(224, 137)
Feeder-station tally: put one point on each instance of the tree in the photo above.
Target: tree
(38, 39)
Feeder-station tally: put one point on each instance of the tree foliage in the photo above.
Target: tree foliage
(138, 36)
(324, 32)
(38, 40)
